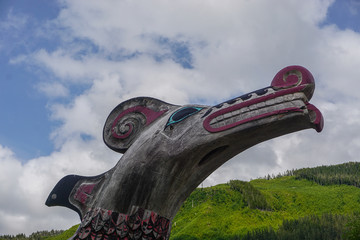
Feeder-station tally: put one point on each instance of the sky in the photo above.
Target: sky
(64, 65)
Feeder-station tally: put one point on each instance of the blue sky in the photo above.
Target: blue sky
(345, 14)
(65, 64)
(27, 129)
(27, 125)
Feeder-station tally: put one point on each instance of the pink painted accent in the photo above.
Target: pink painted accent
(125, 135)
(207, 121)
(153, 216)
(319, 120)
(208, 127)
(149, 114)
(292, 76)
(289, 80)
(83, 192)
(106, 224)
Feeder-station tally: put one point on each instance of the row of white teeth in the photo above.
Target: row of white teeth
(287, 101)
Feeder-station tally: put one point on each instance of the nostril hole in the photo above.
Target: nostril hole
(211, 155)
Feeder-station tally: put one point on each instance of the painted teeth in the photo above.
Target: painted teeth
(282, 102)
(260, 105)
(245, 109)
(235, 113)
(219, 118)
(279, 99)
(227, 115)
(253, 107)
(270, 102)
(288, 97)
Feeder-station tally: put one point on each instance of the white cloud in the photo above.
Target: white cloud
(25, 187)
(113, 52)
(13, 21)
(54, 90)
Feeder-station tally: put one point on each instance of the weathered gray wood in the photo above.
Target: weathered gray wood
(168, 150)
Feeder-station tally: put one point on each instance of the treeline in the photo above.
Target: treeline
(249, 196)
(252, 196)
(346, 173)
(40, 235)
(326, 227)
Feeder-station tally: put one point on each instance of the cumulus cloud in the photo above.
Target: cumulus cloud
(25, 186)
(53, 90)
(123, 49)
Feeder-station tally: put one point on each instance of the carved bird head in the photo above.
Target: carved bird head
(168, 150)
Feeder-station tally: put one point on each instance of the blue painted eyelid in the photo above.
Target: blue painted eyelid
(178, 116)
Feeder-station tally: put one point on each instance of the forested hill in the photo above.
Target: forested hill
(280, 208)
(347, 173)
(311, 203)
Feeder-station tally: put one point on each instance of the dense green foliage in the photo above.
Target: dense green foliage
(316, 203)
(291, 202)
(34, 236)
(65, 235)
(43, 235)
(326, 227)
(347, 173)
(252, 196)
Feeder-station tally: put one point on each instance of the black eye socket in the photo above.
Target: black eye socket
(181, 114)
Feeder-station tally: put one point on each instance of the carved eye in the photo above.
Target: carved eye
(181, 114)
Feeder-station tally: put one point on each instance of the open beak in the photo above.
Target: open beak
(289, 92)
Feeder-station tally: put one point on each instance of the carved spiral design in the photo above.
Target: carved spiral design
(292, 76)
(127, 125)
(121, 130)
(126, 122)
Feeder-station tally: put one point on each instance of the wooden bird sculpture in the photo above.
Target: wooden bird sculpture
(168, 150)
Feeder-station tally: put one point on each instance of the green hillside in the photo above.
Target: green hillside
(316, 203)
(221, 212)
(322, 197)
(347, 173)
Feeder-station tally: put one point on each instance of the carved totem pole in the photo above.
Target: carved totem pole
(168, 150)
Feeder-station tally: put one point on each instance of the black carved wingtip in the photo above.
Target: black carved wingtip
(59, 196)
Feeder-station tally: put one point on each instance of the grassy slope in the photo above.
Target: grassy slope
(65, 235)
(223, 214)
(219, 212)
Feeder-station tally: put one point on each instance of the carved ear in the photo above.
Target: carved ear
(126, 122)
